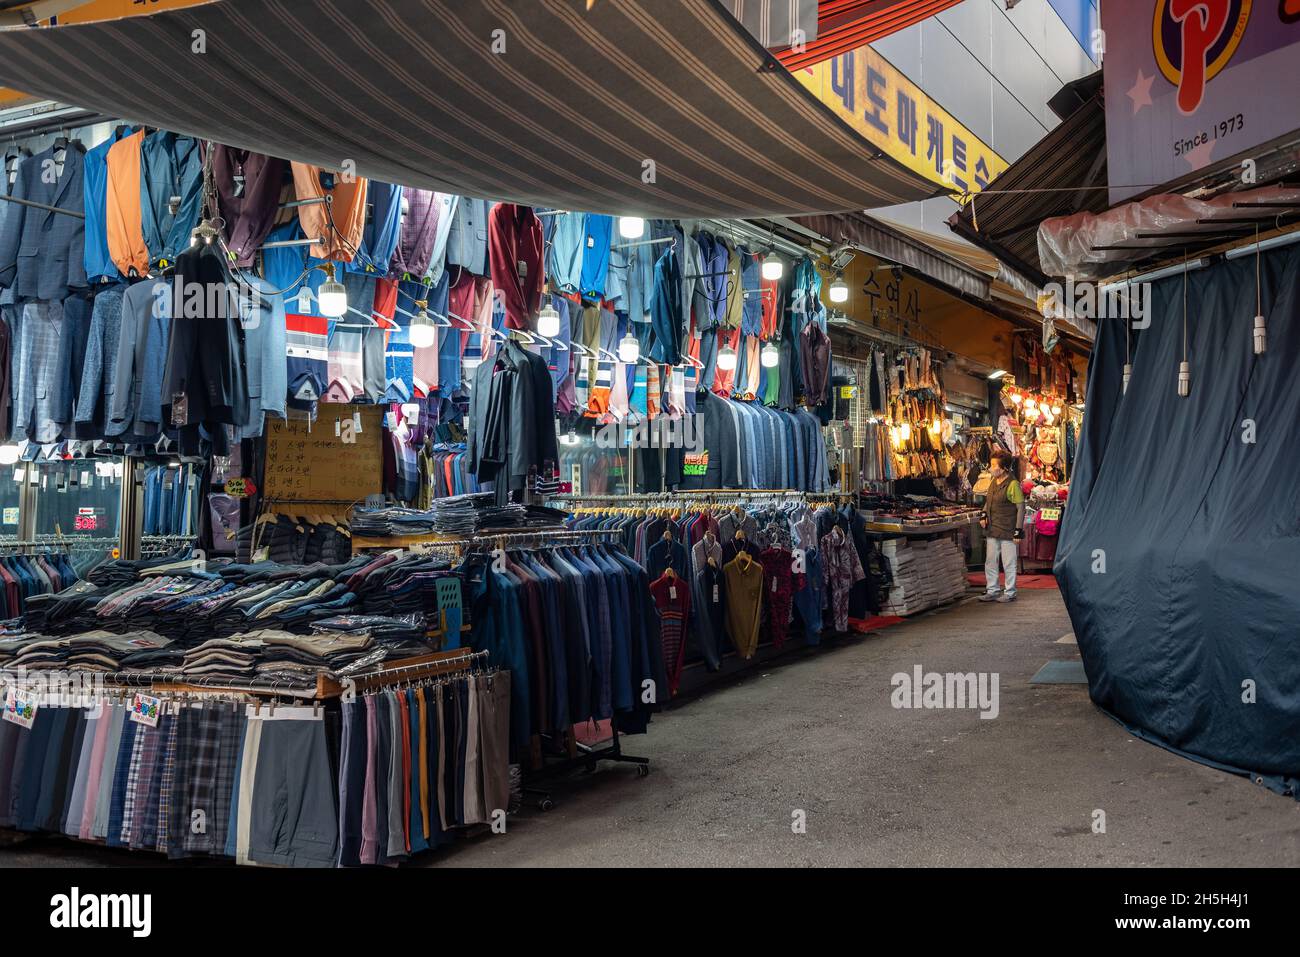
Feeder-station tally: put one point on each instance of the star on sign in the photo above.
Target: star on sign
(1140, 91)
(1200, 156)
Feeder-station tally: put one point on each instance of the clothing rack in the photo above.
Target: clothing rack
(327, 685)
(550, 535)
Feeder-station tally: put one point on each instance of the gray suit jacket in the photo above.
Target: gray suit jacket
(42, 254)
(467, 242)
(35, 371)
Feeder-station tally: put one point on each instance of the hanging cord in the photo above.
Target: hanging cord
(1259, 306)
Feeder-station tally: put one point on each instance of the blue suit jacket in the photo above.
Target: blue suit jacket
(42, 253)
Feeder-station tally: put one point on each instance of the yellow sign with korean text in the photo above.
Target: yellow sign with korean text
(894, 114)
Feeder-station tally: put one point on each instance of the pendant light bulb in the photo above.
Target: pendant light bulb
(773, 267)
(1128, 374)
(631, 227)
(937, 425)
(726, 358)
(905, 431)
(548, 322)
(1261, 336)
(422, 333)
(771, 356)
(333, 295)
(1184, 378)
(569, 438)
(839, 289)
(8, 454)
(1017, 398)
(629, 349)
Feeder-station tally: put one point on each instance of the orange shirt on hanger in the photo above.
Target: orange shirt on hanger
(348, 210)
(122, 214)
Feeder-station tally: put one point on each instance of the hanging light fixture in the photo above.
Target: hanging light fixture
(773, 267)
(1261, 332)
(422, 333)
(1031, 403)
(770, 356)
(726, 358)
(937, 425)
(1017, 398)
(839, 289)
(1184, 367)
(548, 322)
(905, 431)
(631, 227)
(9, 453)
(333, 296)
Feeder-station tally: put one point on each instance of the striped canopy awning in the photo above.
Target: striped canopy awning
(845, 25)
(638, 107)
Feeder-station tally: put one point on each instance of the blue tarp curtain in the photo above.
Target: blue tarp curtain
(1179, 557)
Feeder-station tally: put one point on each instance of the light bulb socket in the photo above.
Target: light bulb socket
(1128, 374)
(1261, 336)
(1184, 379)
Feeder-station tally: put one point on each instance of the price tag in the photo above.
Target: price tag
(146, 709)
(11, 516)
(180, 409)
(773, 586)
(1050, 514)
(304, 299)
(672, 593)
(715, 594)
(240, 487)
(20, 708)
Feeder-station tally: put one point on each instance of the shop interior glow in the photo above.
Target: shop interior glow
(773, 267)
(770, 356)
(631, 227)
(839, 289)
(629, 349)
(333, 296)
(422, 333)
(726, 358)
(548, 322)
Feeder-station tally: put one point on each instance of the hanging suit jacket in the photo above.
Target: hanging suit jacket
(136, 403)
(512, 426)
(42, 253)
(36, 370)
(205, 356)
(467, 242)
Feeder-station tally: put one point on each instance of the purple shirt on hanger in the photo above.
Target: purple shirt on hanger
(419, 231)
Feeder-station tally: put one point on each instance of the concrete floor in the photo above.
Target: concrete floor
(881, 786)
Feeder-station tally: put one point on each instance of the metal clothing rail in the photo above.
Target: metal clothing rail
(326, 685)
